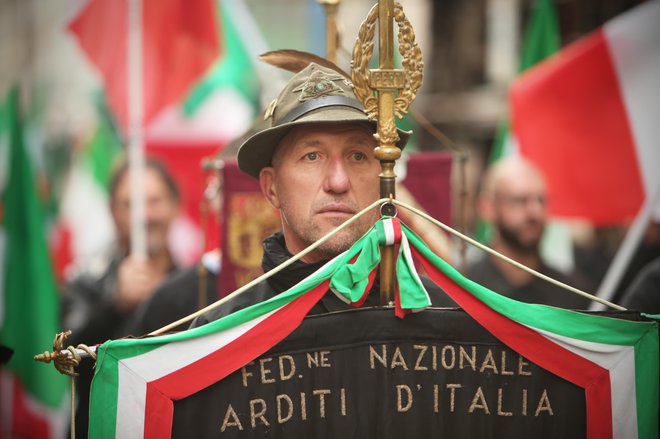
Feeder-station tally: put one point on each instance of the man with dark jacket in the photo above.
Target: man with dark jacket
(315, 164)
(102, 297)
(513, 200)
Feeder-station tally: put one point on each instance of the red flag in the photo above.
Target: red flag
(588, 118)
(179, 39)
(184, 162)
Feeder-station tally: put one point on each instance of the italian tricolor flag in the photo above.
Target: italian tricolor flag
(615, 361)
(588, 117)
(33, 402)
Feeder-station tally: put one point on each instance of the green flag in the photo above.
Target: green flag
(30, 314)
(542, 39)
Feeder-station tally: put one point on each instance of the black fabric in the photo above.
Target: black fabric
(644, 292)
(365, 373)
(536, 290)
(275, 253)
(89, 309)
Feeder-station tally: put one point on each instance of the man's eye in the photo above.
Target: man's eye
(311, 156)
(359, 156)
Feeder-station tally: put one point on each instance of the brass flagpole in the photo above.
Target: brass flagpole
(387, 92)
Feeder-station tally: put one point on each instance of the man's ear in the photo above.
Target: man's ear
(267, 183)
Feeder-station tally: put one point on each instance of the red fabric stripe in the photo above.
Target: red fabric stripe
(569, 118)
(396, 224)
(158, 414)
(25, 423)
(543, 352)
(398, 310)
(372, 278)
(219, 364)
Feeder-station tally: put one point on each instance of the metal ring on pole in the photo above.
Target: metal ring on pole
(389, 205)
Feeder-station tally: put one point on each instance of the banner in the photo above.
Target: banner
(614, 362)
(247, 219)
(365, 373)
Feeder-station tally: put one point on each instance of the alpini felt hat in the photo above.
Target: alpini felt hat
(315, 95)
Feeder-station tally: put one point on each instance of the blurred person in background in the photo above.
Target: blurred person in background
(101, 297)
(195, 287)
(191, 288)
(513, 200)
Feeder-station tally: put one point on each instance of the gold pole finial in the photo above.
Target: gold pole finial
(65, 360)
(387, 93)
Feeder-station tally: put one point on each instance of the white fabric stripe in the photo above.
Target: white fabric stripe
(165, 360)
(136, 372)
(620, 361)
(388, 228)
(634, 42)
(131, 400)
(173, 356)
(405, 245)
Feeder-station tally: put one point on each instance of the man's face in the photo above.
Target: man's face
(321, 176)
(160, 211)
(520, 210)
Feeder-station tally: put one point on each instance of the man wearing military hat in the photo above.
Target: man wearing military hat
(315, 164)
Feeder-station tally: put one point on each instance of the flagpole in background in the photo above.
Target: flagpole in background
(624, 255)
(332, 36)
(135, 128)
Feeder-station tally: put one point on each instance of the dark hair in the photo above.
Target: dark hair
(122, 167)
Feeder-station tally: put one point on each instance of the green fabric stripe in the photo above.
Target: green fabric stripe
(31, 301)
(542, 38)
(412, 294)
(646, 384)
(234, 70)
(351, 280)
(104, 394)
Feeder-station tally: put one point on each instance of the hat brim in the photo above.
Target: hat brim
(257, 151)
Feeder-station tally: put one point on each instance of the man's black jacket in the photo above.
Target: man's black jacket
(275, 253)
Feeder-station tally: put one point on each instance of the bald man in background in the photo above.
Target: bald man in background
(513, 200)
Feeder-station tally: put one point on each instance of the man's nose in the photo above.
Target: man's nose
(152, 209)
(336, 178)
(537, 205)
